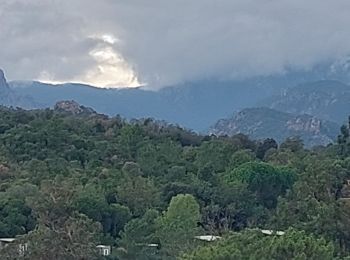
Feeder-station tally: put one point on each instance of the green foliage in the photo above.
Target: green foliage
(265, 181)
(15, 216)
(240, 157)
(179, 225)
(264, 147)
(254, 245)
(344, 140)
(61, 233)
(69, 182)
(138, 193)
(314, 202)
(74, 240)
(138, 234)
(293, 144)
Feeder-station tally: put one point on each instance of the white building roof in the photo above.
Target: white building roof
(152, 245)
(272, 232)
(103, 246)
(7, 240)
(208, 238)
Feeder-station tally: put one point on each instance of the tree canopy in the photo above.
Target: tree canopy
(148, 189)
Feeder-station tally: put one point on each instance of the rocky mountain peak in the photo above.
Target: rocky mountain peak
(305, 123)
(326, 99)
(72, 107)
(262, 123)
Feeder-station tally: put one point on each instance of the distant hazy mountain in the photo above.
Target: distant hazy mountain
(194, 105)
(9, 97)
(4, 88)
(329, 100)
(260, 123)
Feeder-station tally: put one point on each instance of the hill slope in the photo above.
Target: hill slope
(197, 105)
(328, 100)
(193, 105)
(9, 97)
(263, 123)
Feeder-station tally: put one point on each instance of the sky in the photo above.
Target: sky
(128, 43)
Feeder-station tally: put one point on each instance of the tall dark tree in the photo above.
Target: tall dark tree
(263, 147)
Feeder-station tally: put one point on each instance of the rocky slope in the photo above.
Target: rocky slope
(3, 82)
(9, 97)
(328, 100)
(72, 107)
(260, 123)
(5, 91)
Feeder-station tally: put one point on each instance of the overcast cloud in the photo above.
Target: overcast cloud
(160, 42)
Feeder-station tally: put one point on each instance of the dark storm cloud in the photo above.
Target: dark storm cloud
(166, 42)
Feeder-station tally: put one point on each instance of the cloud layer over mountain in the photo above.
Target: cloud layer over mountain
(116, 42)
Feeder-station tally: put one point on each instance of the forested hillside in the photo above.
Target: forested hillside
(71, 179)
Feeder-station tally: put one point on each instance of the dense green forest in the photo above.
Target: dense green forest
(70, 182)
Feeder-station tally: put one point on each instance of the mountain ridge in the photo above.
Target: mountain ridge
(9, 97)
(193, 105)
(327, 99)
(262, 122)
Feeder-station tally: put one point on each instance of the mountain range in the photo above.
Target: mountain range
(9, 97)
(261, 123)
(327, 99)
(192, 105)
(313, 111)
(198, 105)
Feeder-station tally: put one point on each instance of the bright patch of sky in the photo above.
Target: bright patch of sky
(110, 69)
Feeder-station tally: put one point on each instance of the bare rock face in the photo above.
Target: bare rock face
(326, 100)
(4, 87)
(72, 107)
(7, 97)
(311, 124)
(3, 82)
(262, 123)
